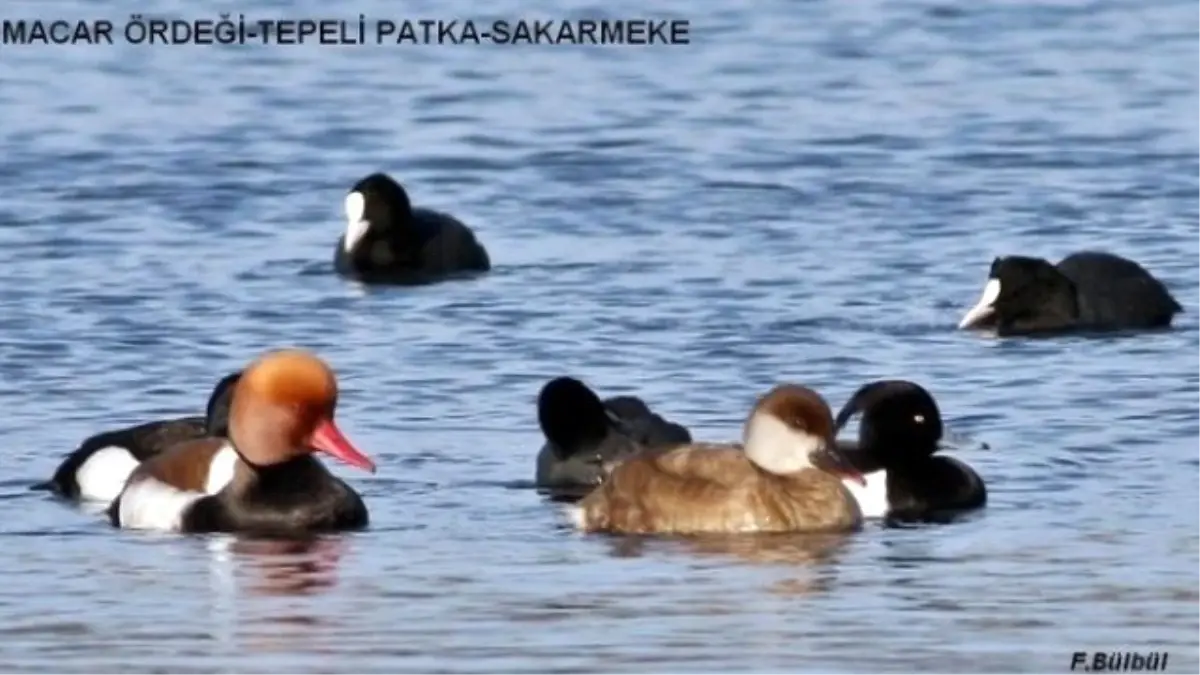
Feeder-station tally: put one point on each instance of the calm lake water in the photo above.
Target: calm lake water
(809, 192)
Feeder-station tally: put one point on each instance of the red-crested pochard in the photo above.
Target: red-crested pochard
(785, 478)
(263, 479)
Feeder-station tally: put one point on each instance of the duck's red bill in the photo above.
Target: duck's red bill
(329, 439)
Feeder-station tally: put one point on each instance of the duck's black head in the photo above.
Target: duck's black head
(571, 416)
(377, 209)
(217, 413)
(900, 421)
(1023, 293)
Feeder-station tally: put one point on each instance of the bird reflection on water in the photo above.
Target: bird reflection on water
(287, 570)
(289, 566)
(810, 558)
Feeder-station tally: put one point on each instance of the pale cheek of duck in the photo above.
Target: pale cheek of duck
(355, 207)
(778, 448)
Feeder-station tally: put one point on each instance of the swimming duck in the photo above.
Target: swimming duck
(584, 435)
(263, 479)
(786, 477)
(97, 469)
(387, 240)
(900, 430)
(1085, 291)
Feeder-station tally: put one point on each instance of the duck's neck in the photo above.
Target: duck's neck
(247, 475)
(897, 453)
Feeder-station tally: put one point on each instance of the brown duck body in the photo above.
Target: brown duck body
(714, 488)
(186, 466)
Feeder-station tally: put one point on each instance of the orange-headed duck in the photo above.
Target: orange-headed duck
(1086, 291)
(584, 435)
(388, 241)
(263, 479)
(786, 477)
(900, 431)
(98, 468)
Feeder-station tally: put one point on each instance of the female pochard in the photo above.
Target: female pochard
(785, 478)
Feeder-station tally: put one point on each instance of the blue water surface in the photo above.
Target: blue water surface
(809, 191)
